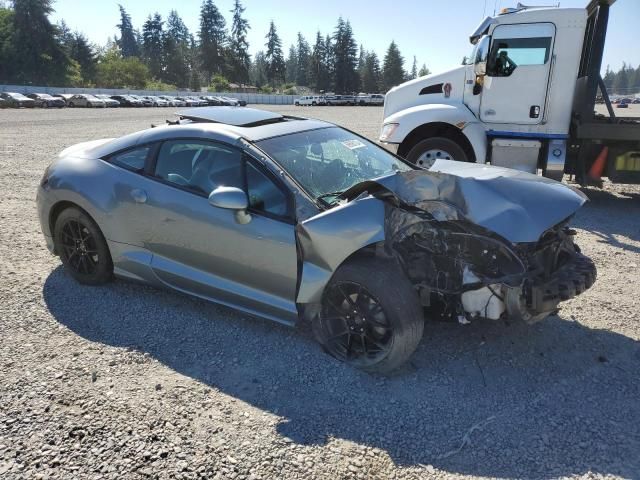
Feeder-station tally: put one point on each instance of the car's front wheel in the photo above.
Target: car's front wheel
(370, 317)
(82, 248)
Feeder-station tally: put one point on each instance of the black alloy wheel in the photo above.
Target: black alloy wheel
(82, 248)
(357, 329)
(370, 316)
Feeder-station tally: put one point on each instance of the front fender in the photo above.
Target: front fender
(456, 115)
(329, 238)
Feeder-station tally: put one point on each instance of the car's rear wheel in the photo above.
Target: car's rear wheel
(427, 151)
(82, 248)
(371, 317)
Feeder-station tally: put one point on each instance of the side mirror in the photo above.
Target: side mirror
(232, 198)
(480, 56)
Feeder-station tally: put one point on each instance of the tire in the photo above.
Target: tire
(88, 260)
(425, 152)
(71, 105)
(314, 104)
(297, 104)
(394, 318)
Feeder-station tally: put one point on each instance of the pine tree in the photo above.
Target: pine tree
(371, 79)
(318, 71)
(414, 69)
(362, 67)
(239, 46)
(424, 71)
(81, 51)
(39, 58)
(621, 81)
(153, 45)
(273, 57)
(291, 65)
(346, 58)
(213, 38)
(128, 43)
(392, 70)
(330, 62)
(259, 70)
(302, 67)
(176, 50)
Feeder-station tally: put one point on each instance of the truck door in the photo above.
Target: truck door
(518, 68)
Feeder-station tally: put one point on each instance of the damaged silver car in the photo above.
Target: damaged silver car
(295, 219)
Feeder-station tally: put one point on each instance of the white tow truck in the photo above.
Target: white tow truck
(524, 100)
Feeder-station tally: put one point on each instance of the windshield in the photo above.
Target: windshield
(328, 161)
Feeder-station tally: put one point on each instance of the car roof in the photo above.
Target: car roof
(236, 116)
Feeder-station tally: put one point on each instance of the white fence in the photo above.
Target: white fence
(248, 97)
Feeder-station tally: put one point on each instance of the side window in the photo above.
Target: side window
(131, 159)
(509, 53)
(199, 166)
(264, 194)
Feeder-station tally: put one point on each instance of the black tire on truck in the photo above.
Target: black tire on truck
(427, 151)
(371, 316)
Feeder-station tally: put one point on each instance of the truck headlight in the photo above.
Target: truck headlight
(388, 129)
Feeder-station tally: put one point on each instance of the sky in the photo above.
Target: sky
(435, 31)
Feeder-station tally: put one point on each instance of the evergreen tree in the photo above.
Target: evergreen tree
(176, 50)
(273, 57)
(362, 67)
(7, 45)
(82, 52)
(372, 78)
(414, 69)
(259, 70)
(128, 42)
(318, 70)
(38, 57)
(291, 65)
(346, 58)
(330, 62)
(153, 45)
(424, 71)
(392, 70)
(621, 81)
(302, 67)
(213, 38)
(239, 46)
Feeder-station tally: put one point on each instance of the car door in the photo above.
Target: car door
(518, 69)
(202, 249)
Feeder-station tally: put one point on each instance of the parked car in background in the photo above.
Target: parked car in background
(17, 100)
(145, 101)
(44, 100)
(126, 101)
(234, 102)
(622, 105)
(64, 96)
(312, 100)
(636, 101)
(110, 102)
(341, 100)
(156, 101)
(369, 99)
(173, 101)
(3, 103)
(86, 100)
(211, 100)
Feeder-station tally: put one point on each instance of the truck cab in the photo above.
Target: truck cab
(519, 101)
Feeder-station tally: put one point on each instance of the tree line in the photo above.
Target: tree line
(165, 55)
(625, 81)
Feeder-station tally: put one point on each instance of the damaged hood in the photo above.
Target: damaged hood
(516, 205)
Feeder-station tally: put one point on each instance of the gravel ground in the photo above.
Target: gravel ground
(125, 381)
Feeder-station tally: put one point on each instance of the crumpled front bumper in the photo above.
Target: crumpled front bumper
(538, 298)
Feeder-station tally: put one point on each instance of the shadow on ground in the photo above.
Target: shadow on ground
(614, 229)
(489, 399)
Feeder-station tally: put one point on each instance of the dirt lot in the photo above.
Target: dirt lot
(125, 381)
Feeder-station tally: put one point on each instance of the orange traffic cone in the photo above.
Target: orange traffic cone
(596, 170)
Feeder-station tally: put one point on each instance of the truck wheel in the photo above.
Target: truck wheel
(424, 153)
(371, 317)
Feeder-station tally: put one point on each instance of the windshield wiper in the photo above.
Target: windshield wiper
(329, 194)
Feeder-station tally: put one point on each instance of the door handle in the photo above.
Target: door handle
(139, 196)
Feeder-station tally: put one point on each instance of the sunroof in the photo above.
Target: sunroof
(236, 116)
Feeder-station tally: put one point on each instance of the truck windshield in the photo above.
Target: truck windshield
(328, 161)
